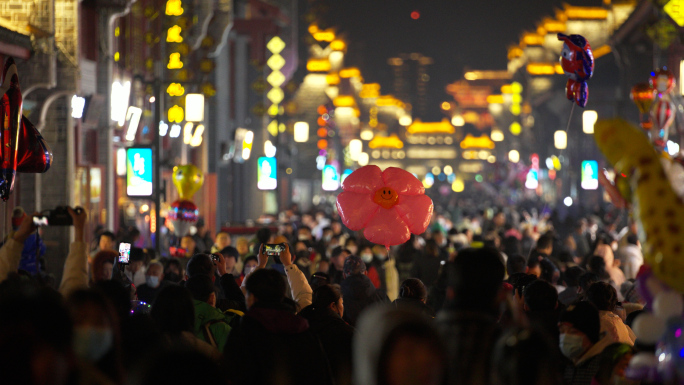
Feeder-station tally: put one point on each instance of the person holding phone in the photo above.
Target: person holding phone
(75, 274)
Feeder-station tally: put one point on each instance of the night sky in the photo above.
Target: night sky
(457, 34)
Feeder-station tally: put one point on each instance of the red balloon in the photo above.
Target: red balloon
(34, 154)
(10, 121)
(183, 214)
(663, 114)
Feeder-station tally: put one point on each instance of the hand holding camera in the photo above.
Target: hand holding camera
(26, 228)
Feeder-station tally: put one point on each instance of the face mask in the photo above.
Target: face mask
(367, 257)
(152, 281)
(249, 270)
(173, 277)
(91, 344)
(303, 237)
(571, 345)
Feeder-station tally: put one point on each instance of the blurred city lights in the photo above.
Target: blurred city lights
(355, 148)
(429, 180)
(187, 132)
(77, 105)
(478, 178)
(175, 131)
(560, 139)
(567, 201)
(497, 135)
(196, 140)
(405, 120)
(120, 95)
(121, 162)
(448, 170)
(457, 120)
(436, 170)
(363, 159)
(514, 156)
(366, 134)
(672, 148)
(589, 118)
(549, 163)
(133, 116)
(532, 180)
(446, 106)
(415, 15)
(163, 128)
(515, 128)
(301, 132)
(458, 185)
(269, 149)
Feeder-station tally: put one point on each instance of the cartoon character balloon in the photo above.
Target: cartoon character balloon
(187, 179)
(663, 112)
(389, 205)
(658, 209)
(577, 61)
(183, 212)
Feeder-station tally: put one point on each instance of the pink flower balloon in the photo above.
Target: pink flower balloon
(389, 205)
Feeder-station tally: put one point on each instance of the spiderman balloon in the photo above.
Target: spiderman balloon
(577, 61)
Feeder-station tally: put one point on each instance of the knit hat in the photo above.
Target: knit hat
(584, 317)
(354, 265)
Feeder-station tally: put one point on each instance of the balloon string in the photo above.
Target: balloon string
(567, 128)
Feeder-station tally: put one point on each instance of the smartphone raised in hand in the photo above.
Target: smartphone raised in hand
(273, 249)
(124, 254)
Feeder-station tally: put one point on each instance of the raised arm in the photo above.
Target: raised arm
(75, 275)
(10, 253)
(301, 291)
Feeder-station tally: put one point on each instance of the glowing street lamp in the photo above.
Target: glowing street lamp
(301, 132)
(194, 107)
(560, 140)
(589, 118)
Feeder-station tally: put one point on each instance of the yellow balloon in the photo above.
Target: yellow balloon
(657, 208)
(187, 179)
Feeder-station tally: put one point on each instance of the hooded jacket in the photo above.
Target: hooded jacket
(359, 293)
(208, 317)
(272, 345)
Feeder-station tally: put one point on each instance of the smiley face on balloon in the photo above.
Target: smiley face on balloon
(389, 205)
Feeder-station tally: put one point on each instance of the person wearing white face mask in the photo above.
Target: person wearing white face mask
(580, 342)
(154, 283)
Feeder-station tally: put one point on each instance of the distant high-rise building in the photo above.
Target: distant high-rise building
(410, 80)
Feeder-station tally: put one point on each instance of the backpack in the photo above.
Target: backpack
(231, 318)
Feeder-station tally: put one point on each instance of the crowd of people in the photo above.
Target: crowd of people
(496, 297)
